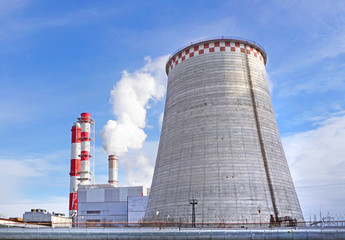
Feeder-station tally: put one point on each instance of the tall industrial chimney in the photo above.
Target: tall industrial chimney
(85, 122)
(75, 169)
(113, 170)
(220, 142)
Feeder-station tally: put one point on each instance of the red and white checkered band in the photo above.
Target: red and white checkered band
(211, 47)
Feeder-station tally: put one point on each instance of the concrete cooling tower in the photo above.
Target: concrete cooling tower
(220, 142)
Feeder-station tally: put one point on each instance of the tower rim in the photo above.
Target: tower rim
(215, 39)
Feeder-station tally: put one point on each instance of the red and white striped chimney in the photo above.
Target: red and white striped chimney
(85, 122)
(113, 170)
(75, 169)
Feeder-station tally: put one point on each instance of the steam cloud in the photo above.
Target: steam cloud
(130, 98)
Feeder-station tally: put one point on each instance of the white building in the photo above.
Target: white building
(46, 218)
(107, 205)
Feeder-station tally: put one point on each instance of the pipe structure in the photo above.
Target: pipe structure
(75, 169)
(113, 170)
(85, 122)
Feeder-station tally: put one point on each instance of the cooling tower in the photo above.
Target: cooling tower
(219, 141)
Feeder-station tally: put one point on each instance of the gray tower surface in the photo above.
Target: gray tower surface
(220, 142)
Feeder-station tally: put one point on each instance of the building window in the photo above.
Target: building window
(93, 220)
(93, 212)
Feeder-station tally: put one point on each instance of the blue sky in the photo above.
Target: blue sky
(61, 58)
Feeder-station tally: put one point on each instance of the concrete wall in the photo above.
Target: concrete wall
(220, 142)
(61, 221)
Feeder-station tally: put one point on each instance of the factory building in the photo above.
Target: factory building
(47, 219)
(99, 204)
(220, 152)
(110, 205)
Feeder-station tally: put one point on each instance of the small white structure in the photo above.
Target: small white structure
(49, 219)
(107, 205)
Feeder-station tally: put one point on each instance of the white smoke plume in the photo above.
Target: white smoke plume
(130, 98)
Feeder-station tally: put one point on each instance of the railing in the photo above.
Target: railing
(217, 38)
(223, 225)
(198, 225)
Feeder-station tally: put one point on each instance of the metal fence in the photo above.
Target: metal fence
(319, 224)
(223, 225)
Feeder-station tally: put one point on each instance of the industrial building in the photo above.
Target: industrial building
(99, 204)
(111, 206)
(220, 151)
(47, 219)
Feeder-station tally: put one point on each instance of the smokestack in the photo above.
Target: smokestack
(85, 122)
(75, 169)
(113, 170)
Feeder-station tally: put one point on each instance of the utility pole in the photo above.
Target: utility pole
(193, 201)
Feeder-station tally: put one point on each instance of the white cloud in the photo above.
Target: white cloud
(52, 204)
(317, 164)
(31, 182)
(140, 171)
(130, 98)
(314, 43)
(139, 165)
(323, 32)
